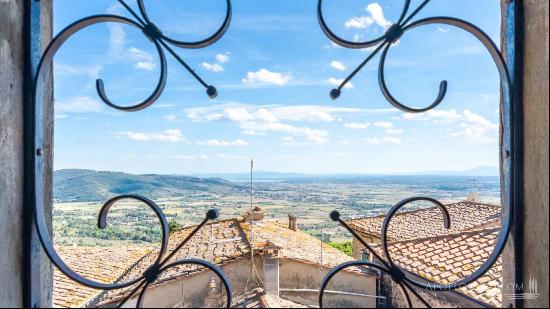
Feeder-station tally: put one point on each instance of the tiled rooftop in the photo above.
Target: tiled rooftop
(296, 245)
(428, 222)
(446, 259)
(106, 265)
(219, 242)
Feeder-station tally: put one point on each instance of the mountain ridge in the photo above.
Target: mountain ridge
(101, 185)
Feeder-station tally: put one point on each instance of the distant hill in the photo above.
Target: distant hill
(478, 171)
(258, 176)
(482, 171)
(87, 185)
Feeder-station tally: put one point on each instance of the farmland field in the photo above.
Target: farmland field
(310, 199)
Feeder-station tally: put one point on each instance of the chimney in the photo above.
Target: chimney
(474, 195)
(270, 255)
(292, 224)
(255, 215)
(215, 297)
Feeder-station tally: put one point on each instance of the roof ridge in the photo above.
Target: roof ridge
(424, 209)
(234, 219)
(452, 235)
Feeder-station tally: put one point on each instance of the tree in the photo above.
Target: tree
(174, 226)
(345, 247)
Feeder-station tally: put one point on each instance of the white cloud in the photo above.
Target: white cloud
(271, 113)
(358, 37)
(337, 82)
(383, 140)
(144, 60)
(117, 39)
(375, 16)
(388, 127)
(288, 141)
(313, 135)
(436, 116)
(172, 117)
(212, 67)
(395, 131)
(337, 65)
(79, 104)
(477, 129)
(471, 127)
(222, 143)
(362, 22)
(288, 120)
(91, 71)
(266, 77)
(383, 125)
(233, 157)
(188, 157)
(147, 66)
(172, 136)
(261, 120)
(117, 48)
(358, 126)
(223, 58)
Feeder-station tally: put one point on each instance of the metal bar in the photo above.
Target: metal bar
(333, 293)
(32, 291)
(513, 133)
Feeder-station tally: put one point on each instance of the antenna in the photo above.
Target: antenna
(251, 222)
(322, 235)
(251, 185)
(474, 195)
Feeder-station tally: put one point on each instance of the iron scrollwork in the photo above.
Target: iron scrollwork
(162, 44)
(406, 281)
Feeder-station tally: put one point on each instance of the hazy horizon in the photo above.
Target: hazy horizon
(488, 171)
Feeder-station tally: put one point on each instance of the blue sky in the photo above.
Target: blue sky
(274, 69)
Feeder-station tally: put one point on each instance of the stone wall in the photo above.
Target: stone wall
(535, 100)
(534, 241)
(293, 275)
(169, 295)
(296, 275)
(12, 94)
(11, 151)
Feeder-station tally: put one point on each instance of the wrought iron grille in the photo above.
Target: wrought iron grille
(163, 43)
(386, 264)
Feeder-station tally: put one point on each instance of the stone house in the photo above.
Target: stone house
(420, 244)
(270, 260)
(424, 223)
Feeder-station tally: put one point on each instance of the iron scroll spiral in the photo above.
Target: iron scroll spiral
(393, 34)
(161, 42)
(405, 280)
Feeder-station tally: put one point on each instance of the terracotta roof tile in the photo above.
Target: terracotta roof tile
(428, 222)
(295, 245)
(437, 267)
(106, 265)
(219, 242)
